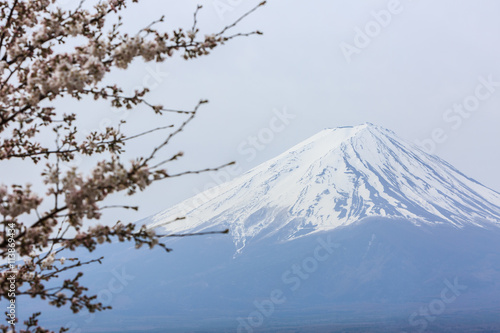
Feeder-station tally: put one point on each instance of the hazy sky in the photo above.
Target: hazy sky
(415, 67)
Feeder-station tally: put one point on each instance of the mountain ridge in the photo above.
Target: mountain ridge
(335, 178)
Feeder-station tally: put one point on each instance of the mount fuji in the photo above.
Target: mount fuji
(335, 178)
(352, 230)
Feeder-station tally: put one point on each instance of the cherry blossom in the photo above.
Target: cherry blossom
(37, 68)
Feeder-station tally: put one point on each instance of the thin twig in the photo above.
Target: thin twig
(195, 234)
(240, 19)
(173, 158)
(195, 17)
(199, 171)
(166, 110)
(147, 132)
(174, 133)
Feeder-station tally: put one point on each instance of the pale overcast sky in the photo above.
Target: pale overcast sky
(326, 64)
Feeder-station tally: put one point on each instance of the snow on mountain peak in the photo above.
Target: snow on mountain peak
(336, 178)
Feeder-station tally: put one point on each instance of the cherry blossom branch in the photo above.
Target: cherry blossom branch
(34, 73)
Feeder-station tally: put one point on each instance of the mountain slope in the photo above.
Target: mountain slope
(333, 179)
(377, 275)
(352, 230)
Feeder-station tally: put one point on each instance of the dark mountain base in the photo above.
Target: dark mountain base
(378, 275)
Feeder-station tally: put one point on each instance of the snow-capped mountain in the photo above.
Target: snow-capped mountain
(352, 230)
(333, 179)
